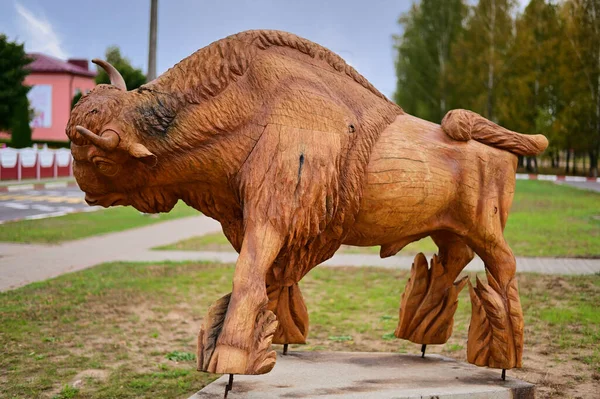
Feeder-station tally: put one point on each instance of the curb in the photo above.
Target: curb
(525, 176)
(37, 186)
(52, 215)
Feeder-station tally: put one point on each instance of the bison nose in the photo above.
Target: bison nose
(91, 200)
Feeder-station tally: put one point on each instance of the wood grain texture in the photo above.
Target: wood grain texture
(496, 330)
(210, 330)
(260, 360)
(287, 303)
(429, 302)
(295, 153)
(465, 125)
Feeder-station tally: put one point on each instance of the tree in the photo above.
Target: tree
(20, 136)
(430, 30)
(532, 75)
(76, 99)
(133, 77)
(480, 57)
(538, 72)
(582, 29)
(13, 92)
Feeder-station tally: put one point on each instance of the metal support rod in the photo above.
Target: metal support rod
(229, 386)
(285, 347)
(503, 374)
(423, 348)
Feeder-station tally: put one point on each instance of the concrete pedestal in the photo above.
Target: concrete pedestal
(370, 375)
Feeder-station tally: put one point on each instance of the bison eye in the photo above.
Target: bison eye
(105, 166)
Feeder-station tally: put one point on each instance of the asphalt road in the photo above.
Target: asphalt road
(34, 204)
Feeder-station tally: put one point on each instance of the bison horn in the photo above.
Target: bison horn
(108, 142)
(115, 77)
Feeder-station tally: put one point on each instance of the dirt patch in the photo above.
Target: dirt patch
(84, 376)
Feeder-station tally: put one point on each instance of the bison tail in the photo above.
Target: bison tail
(463, 125)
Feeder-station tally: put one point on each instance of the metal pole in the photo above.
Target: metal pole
(152, 40)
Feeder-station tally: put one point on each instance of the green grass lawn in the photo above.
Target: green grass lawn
(79, 225)
(128, 330)
(546, 220)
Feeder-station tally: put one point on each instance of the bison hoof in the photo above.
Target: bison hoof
(228, 360)
(496, 330)
(217, 357)
(428, 303)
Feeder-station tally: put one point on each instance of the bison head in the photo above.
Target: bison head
(110, 164)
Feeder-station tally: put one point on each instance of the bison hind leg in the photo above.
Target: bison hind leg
(496, 329)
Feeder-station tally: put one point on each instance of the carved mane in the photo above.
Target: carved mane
(211, 69)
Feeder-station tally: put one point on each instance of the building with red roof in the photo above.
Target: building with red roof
(54, 84)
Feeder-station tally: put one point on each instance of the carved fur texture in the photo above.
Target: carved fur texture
(210, 330)
(428, 303)
(288, 305)
(464, 125)
(260, 358)
(496, 329)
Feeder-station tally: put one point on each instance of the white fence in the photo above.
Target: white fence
(35, 163)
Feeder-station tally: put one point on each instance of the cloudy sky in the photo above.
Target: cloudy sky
(358, 30)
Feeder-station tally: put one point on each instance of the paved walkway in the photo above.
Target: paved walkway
(583, 185)
(22, 264)
(531, 265)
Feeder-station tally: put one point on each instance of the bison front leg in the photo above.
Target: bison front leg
(236, 334)
(289, 307)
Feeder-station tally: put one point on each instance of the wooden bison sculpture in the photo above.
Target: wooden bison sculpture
(295, 153)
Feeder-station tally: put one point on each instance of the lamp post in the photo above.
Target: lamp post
(152, 41)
